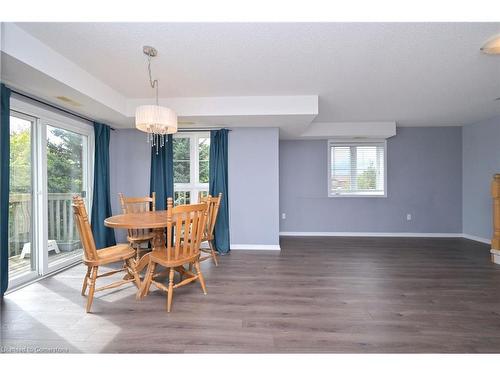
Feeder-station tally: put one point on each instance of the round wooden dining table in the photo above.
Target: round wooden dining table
(155, 220)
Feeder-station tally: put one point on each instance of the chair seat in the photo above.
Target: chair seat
(161, 258)
(141, 238)
(111, 254)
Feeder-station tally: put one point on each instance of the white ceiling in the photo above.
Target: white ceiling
(417, 74)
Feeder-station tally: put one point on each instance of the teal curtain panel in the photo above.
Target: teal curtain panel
(218, 184)
(4, 187)
(162, 173)
(101, 202)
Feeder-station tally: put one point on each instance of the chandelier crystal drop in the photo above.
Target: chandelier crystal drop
(155, 120)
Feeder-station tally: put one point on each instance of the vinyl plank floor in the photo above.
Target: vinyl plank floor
(318, 295)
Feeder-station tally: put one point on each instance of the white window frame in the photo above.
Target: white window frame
(194, 186)
(353, 143)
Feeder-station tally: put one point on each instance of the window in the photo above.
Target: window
(357, 169)
(191, 160)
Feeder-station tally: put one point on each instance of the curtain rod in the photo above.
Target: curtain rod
(53, 106)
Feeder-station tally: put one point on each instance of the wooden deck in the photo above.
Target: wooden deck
(19, 266)
(331, 295)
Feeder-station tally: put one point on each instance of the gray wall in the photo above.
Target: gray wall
(253, 180)
(424, 179)
(129, 160)
(481, 159)
(254, 186)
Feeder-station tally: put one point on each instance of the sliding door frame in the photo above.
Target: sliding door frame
(34, 257)
(44, 118)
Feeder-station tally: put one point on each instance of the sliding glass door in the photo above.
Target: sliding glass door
(51, 160)
(66, 176)
(22, 260)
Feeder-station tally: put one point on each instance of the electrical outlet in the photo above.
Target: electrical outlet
(283, 216)
(408, 217)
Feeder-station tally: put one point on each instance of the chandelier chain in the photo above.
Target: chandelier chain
(154, 83)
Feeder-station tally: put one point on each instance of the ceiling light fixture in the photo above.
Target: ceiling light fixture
(155, 120)
(492, 46)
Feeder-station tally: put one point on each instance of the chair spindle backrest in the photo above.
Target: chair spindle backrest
(83, 226)
(213, 210)
(132, 205)
(188, 228)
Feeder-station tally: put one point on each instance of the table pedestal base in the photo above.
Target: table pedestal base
(158, 244)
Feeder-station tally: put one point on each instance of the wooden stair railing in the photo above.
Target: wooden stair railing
(495, 241)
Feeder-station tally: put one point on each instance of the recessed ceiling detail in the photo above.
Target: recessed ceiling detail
(286, 75)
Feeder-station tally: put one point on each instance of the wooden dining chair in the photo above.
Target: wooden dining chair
(137, 237)
(184, 232)
(208, 233)
(94, 258)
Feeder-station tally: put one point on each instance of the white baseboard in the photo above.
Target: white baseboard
(371, 234)
(254, 247)
(386, 234)
(476, 238)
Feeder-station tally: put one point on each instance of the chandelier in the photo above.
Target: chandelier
(155, 120)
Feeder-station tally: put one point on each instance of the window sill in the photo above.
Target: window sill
(362, 195)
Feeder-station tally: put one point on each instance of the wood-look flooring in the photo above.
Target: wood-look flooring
(352, 295)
